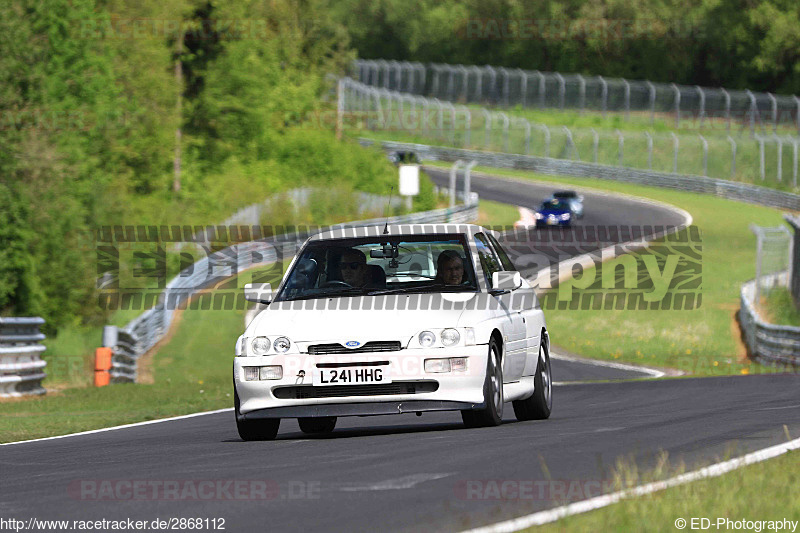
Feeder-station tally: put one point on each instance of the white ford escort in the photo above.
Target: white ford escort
(402, 319)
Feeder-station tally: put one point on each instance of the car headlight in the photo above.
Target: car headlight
(565, 216)
(260, 345)
(450, 337)
(282, 344)
(538, 216)
(427, 339)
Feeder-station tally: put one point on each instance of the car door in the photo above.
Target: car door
(513, 321)
(524, 303)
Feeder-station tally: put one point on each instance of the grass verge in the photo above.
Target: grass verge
(756, 492)
(778, 308)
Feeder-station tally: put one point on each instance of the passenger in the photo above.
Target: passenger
(450, 268)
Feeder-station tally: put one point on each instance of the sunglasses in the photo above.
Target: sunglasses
(353, 265)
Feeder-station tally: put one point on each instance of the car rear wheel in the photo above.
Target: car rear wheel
(492, 412)
(266, 429)
(323, 424)
(539, 405)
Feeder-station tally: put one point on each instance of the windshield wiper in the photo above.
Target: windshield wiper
(331, 294)
(439, 287)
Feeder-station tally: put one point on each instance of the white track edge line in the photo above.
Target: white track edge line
(124, 426)
(610, 364)
(714, 470)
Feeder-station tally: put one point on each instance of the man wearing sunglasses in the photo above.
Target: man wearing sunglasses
(353, 266)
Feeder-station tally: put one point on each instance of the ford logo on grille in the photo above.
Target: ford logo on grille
(352, 344)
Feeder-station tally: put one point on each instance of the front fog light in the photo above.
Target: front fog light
(437, 366)
(260, 345)
(250, 373)
(458, 364)
(281, 345)
(427, 339)
(271, 372)
(450, 337)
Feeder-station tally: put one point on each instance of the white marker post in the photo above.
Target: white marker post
(409, 182)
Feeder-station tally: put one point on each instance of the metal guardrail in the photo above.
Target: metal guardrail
(767, 343)
(145, 331)
(544, 165)
(21, 368)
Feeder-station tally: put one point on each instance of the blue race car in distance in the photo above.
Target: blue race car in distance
(554, 212)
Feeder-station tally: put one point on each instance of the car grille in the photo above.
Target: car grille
(300, 392)
(374, 346)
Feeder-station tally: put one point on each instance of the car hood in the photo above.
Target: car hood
(553, 211)
(368, 318)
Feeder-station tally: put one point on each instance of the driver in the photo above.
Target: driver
(353, 266)
(450, 268)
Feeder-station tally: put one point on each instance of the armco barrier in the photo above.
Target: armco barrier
(142, 333)
(767, 343)
(545, 165)
(21, 368)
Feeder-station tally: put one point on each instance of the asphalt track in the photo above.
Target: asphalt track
(403, 473)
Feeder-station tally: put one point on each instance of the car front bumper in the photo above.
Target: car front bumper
(294, 395)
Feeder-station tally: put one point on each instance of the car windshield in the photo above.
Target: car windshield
(551, 205)
(565, 195)
(380, 265)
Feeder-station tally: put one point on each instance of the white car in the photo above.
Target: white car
(402, 319)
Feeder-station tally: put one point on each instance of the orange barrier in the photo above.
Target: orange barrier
(102, 364)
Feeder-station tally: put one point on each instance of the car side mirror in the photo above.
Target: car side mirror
(258, 292)
(506, 280)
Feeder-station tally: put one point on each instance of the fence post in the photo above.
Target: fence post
(523, 86)
(487, 124)
(571, 143)
(425, 114)
(762, 171)
(506, 80)
(705, 155)
(649, 151)
(797, 115)
(562, 91)
(595, 144)
(452, 122)
(467, 125)
(627, 99)
(542, 88)
(702, 103)
(733, 156)
(546, 131)
(468, 179)
(794, 162)
(422, 77)
(675, 148)
(451, 73)
(505, 130)
(436, 68)
(774, 102)
(441, 116)
(581, 92)
(652, 90)
(464, 83)
(453, 177)
(727, 110)
(753, 111)
(621, 140)
(677, 105)
(493, 86)
(603, 95)
(780, 158)
(528, 140)
(479, 84)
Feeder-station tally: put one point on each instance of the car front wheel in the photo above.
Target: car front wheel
(266, 429)
(492, 412)
(539, 405)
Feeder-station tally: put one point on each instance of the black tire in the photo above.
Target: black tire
(266, 429)
(540, 404)
(492, 412)
(322, 424)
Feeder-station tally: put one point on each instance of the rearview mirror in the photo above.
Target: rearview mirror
(258, 292)
(506, 280)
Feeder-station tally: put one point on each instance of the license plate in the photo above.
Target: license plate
(351, 375)
(552, 221)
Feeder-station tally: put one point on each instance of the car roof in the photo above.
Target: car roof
(346, 231)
